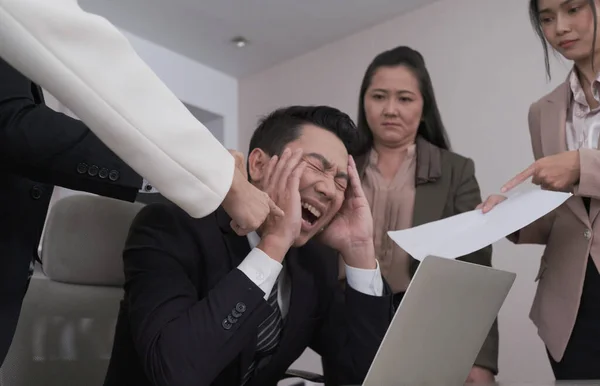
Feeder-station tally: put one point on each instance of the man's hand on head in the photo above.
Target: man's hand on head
(351, 230)
(281, 182)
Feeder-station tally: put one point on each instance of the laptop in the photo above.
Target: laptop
(440, 325)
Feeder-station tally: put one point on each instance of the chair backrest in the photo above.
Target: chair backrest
(66, 329)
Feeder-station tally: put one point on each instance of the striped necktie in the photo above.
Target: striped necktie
(269, 333)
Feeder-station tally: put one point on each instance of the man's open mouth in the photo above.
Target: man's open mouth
(310, 214)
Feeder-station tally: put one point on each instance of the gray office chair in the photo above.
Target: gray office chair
(66, 329)
(65, 333)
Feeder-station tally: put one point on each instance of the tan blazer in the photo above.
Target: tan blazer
(446, 186)
(570, 235)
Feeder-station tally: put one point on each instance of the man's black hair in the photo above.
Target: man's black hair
(284, 125)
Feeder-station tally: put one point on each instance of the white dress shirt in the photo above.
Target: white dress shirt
(263, 271)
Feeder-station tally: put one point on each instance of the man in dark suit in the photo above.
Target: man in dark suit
(204, 306)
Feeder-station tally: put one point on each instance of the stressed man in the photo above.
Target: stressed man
(204, 306)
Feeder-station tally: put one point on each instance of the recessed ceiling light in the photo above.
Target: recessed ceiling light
(239, 41)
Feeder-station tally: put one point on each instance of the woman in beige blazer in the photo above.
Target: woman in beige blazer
(565, 130)
(409, 174)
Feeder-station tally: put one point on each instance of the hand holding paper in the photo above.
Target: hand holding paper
(468, 232)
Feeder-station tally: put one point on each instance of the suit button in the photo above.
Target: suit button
(36, 193)
(113, 175)
(226, 325)
(93, 170)
(231, 319)
(587, 234)
(103, 173)
(82, 168)
(235, 313)
(240, 307)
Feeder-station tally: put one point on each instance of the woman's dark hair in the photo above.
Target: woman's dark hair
(534, 17)
(431, 127)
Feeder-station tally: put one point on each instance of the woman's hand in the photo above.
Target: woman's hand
(559, 172)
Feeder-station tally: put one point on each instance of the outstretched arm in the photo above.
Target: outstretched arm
(87, 64)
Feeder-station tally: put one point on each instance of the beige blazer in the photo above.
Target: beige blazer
(88, 65)
(570, 235)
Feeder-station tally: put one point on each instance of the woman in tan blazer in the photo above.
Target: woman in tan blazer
(565, 130)
(409, 175)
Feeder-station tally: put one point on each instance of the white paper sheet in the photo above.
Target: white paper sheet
(468, 232)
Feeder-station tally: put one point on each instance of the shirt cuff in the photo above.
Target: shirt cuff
(261, 269)
(147, 188)
(367, 281)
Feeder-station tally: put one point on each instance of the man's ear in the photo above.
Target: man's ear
(258, 161)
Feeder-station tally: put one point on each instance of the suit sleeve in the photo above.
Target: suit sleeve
(351, 332)
(589, 175)
(47, 146)
(183, 339)
(466, 198)
(87, 64)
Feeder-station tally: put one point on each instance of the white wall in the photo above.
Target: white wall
(487, 68)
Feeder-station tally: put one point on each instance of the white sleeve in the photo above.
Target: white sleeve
(261, 269)
(367, 281)
(88, 65)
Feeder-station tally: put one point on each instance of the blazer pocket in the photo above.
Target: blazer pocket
(541, 270)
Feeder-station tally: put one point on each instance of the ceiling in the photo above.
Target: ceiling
(278, 30)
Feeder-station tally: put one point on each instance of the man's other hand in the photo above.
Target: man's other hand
(282, 183)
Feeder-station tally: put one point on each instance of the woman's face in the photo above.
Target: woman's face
(568, 27)
(393, 106)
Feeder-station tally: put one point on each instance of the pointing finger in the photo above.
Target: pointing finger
(519, 178)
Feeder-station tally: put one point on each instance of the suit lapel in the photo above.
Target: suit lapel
(431, 189)
(553, 123)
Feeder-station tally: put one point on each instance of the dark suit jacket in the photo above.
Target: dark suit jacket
(446, 186)
(39, 148)
(182, 284)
